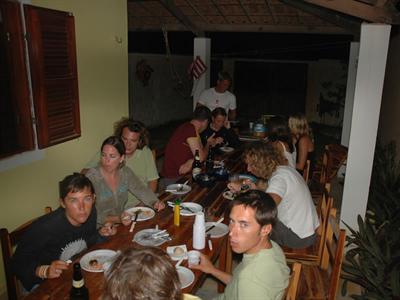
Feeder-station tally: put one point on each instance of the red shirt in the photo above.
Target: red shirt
(178, 150)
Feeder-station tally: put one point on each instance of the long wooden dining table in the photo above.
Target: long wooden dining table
(211, 200)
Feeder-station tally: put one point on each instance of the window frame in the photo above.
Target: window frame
(48, 114)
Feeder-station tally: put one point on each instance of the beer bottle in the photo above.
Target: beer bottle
(196, 167)
(210, 161)
(78, 291)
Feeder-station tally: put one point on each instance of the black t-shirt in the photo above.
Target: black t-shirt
(51, 237)
(228, 135)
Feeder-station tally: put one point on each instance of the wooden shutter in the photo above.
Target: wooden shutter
(16, 131)
(52, 56)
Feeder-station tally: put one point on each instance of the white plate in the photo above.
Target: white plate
(144, 238)
(170, 251)
(179, 189)
(248, 139)
(101, 256)
(226, 149)
(218, 231)
(145, 214)
(228, 195)
(186, 276)
(194, 207)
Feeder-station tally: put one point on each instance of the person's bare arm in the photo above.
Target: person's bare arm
(153, 185)
(207, 267)
(195, 144)
(276, 198)
(303, 149)
(232, 114)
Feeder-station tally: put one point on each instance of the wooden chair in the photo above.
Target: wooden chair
(8, 242)
(313, 255)
(291, 291)
(322, 282)
(333, 158)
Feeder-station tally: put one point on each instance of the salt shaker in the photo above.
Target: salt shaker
(199, 232)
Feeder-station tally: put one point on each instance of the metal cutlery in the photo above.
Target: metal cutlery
(136, 215)
(171, 204)
(215, 224)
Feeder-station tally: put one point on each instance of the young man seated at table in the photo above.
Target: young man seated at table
(56, 237)
(219, 126)
(181, 147)
(263, 273)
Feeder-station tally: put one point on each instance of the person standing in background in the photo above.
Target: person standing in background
(219, 96)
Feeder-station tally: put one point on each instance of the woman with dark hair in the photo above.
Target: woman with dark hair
(138, 155)
(220, 127)
(143, 273)
(297, 216)
(280, 136)
(112, 181)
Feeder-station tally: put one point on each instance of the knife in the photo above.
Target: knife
(188, 209)
(215, 224)
(136, 215)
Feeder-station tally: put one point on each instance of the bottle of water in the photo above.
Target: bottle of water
(199, 232)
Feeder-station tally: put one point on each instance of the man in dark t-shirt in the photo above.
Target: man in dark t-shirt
(55, 238)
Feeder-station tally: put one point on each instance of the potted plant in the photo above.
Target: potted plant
(373, 261)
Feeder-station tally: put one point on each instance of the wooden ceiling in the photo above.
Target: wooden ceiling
(295, 16)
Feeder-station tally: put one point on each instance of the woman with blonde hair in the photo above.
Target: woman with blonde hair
(302, 138)
(297, 216)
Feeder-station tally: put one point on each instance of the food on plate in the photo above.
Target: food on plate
(178, 251)
(145, 213)
(94, 264)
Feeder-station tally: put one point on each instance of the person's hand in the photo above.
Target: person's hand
(108, 229)
(234, 187)
(227, 124)
(186, 167)
(159, 205)
(205, 264)
(126, 218)
(218, 140)
(250, 184)
(56, 268)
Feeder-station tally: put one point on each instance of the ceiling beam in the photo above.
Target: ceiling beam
(197, 11)
(361, 10)
(219, 11)
(246, 11)
(271, 11)
(251, 28)
(350, 24)
(177, 13)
